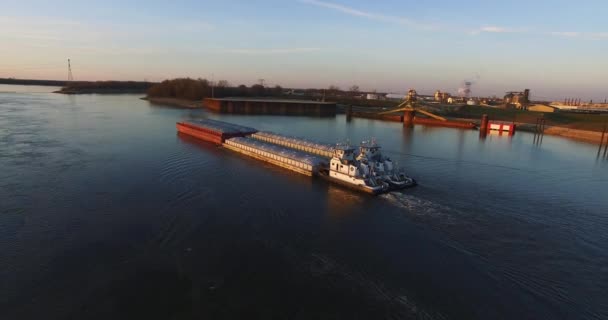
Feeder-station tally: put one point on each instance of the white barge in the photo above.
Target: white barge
(291, 159)
(322, 149)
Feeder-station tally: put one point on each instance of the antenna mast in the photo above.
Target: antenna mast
(70, 76)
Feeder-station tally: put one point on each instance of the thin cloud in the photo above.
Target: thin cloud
(600, 35)
(495, 29)
(369, 15)
(582, 35)
(272, 51)
(565, 34)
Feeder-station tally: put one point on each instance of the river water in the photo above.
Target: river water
(107, 213)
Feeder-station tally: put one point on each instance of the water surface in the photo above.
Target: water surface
(105, 212)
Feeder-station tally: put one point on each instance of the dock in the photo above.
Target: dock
(270, 106)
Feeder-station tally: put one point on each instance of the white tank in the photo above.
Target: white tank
(379, 167)
(364, 169)
(388, 165)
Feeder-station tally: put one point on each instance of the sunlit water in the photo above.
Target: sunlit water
(105, 212)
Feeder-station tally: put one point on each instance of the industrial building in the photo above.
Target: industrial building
(517, 99)
(442, 97)
(372, 96)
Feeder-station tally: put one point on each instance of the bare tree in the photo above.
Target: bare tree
(354, 89)
(334, 90)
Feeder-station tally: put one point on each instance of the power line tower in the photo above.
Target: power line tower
(262, 82)
(70, 76)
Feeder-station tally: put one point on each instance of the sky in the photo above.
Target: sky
(556, 48)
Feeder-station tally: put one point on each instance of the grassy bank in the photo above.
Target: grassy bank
(590, 122)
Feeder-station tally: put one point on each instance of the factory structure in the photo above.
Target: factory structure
(442, 97)
(517, 99)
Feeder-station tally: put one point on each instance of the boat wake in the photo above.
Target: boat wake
(424, 208)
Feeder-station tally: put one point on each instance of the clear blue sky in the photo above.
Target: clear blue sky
(556, 48)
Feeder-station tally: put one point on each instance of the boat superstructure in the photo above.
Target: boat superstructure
(346, 170)
(370, 155)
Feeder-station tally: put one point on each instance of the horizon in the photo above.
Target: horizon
(553, 49)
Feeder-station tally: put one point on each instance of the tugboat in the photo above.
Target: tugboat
(345, 170)
(383, 167)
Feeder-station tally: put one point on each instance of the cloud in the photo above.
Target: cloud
(370, 15)
(599, 35)
(272, 51)
(583, 35)
(565, 34)
(495, 29)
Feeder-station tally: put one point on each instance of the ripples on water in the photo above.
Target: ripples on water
(106, 213)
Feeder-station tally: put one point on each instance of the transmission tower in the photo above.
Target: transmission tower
(262, 82)
(70, 76)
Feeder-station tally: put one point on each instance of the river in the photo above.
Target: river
(107, 213)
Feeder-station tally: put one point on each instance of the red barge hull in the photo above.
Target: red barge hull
(217, 133)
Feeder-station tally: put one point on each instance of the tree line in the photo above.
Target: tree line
(198, 89)
(109, 85)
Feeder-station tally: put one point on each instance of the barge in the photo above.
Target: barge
(364, 168)
(270, 106)
(213, 130)
(291, 159)
(322, 149)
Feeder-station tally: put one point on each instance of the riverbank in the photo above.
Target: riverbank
(575, 134)
(589, 136)
(100, 91)
(32, 82)
(581, 127)
(105, 87)
(174, 102)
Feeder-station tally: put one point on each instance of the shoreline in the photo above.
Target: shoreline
(174, 102)
(76, 92)
(588, 136)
